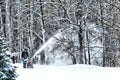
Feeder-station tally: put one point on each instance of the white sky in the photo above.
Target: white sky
(70, 72)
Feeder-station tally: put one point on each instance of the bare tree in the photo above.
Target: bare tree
(8, 25)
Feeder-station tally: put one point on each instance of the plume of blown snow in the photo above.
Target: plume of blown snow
(50, 41)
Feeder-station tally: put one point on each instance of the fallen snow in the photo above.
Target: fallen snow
(70, 72)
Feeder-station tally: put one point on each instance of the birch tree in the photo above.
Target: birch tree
(8, 25)
(31, 27)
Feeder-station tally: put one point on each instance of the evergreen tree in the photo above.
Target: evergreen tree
(7, 71)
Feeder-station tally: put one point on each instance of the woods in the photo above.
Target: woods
(90, 30)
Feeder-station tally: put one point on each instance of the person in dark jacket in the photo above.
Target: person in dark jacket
(13, 59)
(25, 57)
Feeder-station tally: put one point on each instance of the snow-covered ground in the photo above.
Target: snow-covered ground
(70, 72)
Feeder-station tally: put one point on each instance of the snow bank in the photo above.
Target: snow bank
(70, 72)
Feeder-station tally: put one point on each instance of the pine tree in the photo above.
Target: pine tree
(7, 71)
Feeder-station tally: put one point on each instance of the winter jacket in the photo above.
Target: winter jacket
(25, 55)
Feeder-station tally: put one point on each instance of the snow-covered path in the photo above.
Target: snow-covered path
(71, 72)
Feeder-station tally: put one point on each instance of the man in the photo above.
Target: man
(25, 57)
(13, 59)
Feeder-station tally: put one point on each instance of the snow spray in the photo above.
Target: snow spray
(50, 41)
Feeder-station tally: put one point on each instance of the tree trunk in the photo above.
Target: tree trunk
(73, 58)
(43, 55)
(1, 23)
(9, 27)
(31, 29)
(79, 14)
(80, 36)
(103, 35)
(20, 34)
(88, 47)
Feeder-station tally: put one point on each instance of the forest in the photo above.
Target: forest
(82, 31)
